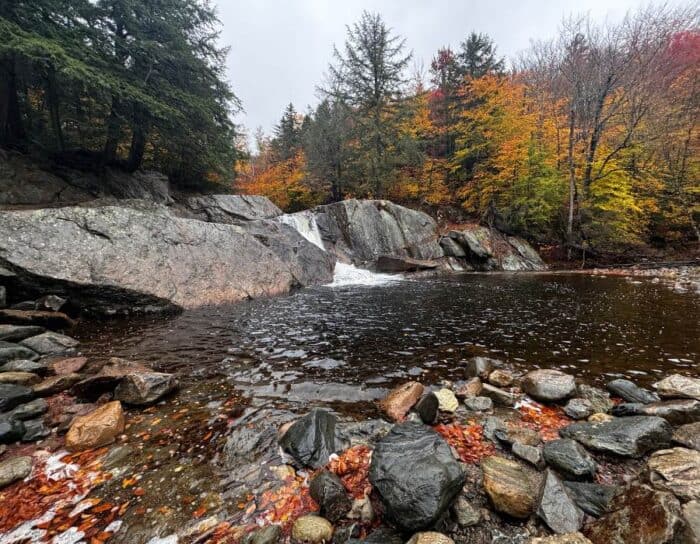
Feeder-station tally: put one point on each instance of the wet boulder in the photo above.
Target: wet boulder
(311, 439)
(679, 386)
(400, 400)
(594, 499)
(98, 428)
(108, 377)
(549, 385)
(416, 475)
(578, 408)
(688, 435)
(629, 436)
(556, 508)
(328, 491)
(675, 412)
(568, 457)
(48, 343)
(676, 470)
(13, 395)
(29, 410)
(15, 333)
(145, 388)
(639, 515)
(631, 392)
(14, 469)
(427, 408)
(11, 430)
(10, 351)
(512, 489)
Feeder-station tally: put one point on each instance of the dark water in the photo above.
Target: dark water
(349, 344)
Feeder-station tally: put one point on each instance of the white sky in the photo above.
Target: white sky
(280, 49)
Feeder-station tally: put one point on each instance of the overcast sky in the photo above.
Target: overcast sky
(280, 49)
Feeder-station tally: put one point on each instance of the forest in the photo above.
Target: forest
(589, 140)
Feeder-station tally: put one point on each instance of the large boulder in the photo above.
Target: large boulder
(512, 489)
(679, 386)
(115, 258)
(144, 388)
(688, 435)
(631, 392)
(233, 209)
(676, 470)
(549, 385)
(628, 436)
(312, 439)
(416, 475)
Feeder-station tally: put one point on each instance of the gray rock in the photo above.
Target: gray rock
(53, 303)
(599, 399)
(451, 248)
(15, 333)
(10, 352)
(688, 435)
(11, 430)
(629, 437)
(676, 470)
(465, 513)
(13, 395)
(492, 425)
(518, 435)
(90, 254)
(25, 365)
(144, 388)
(49, 342)
(34, 429)
(232, 209)
(531, 454)
(578, 408)
(479, 404)
(394, 265)
(679, 386)
(488, 249)
(312, 439)
(29, 410)
(481, 367)
(266, 535)
(427, 408)
(328, 491)
(499, 396)
(594, 499)
(691, 515)
(631, 392)
(676, 412)
(416, 476)
(556, 507)
(470, 388)
(548, 385)
(14, 469)
(570, 458)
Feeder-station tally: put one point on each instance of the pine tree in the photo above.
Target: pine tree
(478, 57)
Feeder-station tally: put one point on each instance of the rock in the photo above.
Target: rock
(688, 435)
(311, 439)
(34, 429)
(430, 538)
(578, 408)
(98, 428)
(518, 435)
(53, 303)
(15, 333)
(531, 454)
(599, 399)
(52, 320)
(3, 296)
(492, 425)
(569, 538)
(594, 499)
(266, 535)
(676, 470)
(600, 418)
(328, 491)
(14, 469)
(481, 367)
(470, 388)
(570, 458)
(639, 515)
(629, 437)
(631, 392)
(447, 401)
(13, 395)
(145, 388)
(556, 508)
(383, 535)
(464, 513)
(488, 249)
(108, 377)
(427, 408)
(49, 342)
(10, 352)
(312, 529)
(19, 378)
(479, 404)
(501, 378)
(69, 366)
(90, 253)
(24, 305)
(56, 384)
(691, 515)
(548, 385)
(451, 248)
(11, 430)
(232, 209)
(416, 476)
(29, 410)
(362, 510)
(392, 264)
(24, 365)
(499, 396)
(678, 386)
(511, 489)
(674, 411)
(400, 400)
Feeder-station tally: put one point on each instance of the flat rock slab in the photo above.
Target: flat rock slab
(13, 395)
(679, 386)
(510, 487)
(557, 509)
(10, 351)
(631, 392)
(15, 333)
(676, 412)
(676, 470)
(49, 342)
(549, 385)
(628, 436)
(416, 475)
(570, 458)
(50, 320)
(594, 499)
(640, 515)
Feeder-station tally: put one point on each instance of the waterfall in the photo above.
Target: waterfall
(344, 274)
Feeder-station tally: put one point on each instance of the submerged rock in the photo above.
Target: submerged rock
(145, 388)
(631, 392)
(556, 508)
(512, 490)
(594, 499)
(630, 436)
(401, 399)
(312, 530)
(328, 491)
(570, 458)
(674, 411)
(98, 428)
(416, 476)
(14, 469)
(679, 386)
(311, 439)
(548, 385)
(676, 470)
(688, 435)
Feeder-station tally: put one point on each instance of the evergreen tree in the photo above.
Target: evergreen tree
(478, 57)
(287, 139)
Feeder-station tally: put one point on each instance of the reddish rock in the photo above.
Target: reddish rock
(68, 366)
(98, 428)
(401, 399)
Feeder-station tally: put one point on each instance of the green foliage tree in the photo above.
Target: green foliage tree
(287, 138)
(477, 57)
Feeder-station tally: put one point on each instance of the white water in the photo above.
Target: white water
(344, 274)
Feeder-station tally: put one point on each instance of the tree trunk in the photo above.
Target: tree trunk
(54, 108)
(11, 127)
(109, 153)
(572, 181)
(595, 139)
(138, 140)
